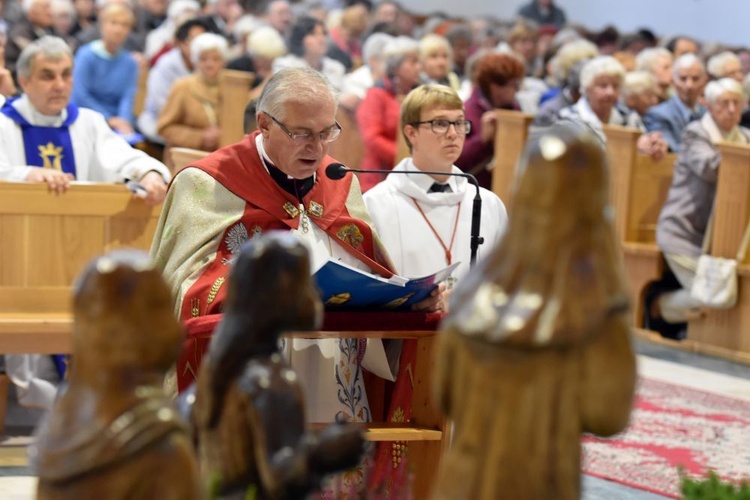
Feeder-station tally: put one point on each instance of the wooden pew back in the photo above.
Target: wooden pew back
(510, 141)
(727, 332)
(235, 94)
(47, 239)
(638, 185)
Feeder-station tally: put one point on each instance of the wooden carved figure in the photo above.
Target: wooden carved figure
(113, 432)
(536, 348)
(249, 411)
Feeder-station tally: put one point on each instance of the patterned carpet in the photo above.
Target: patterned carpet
(676, 426)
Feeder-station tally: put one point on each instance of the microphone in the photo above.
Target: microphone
(337, 171)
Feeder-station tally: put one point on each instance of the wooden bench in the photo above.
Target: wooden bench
(638, 189)
(510, 140)
(235, 94)
(727, 332)
(46, 239)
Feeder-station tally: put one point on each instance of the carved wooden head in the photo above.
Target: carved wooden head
(123, 315)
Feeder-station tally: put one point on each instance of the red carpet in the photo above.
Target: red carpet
(673, 426)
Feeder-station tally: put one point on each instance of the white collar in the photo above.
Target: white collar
(416, 186)
(717, 135)
(34, 117)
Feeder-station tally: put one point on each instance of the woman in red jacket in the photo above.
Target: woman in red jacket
(378, 113)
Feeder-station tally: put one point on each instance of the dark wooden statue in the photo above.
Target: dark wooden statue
(536, 348)
(113, 433)
(249, 410)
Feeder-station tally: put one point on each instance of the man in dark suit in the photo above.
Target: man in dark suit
(673, 115)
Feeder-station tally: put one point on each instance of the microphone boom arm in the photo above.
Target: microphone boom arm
(337, 171)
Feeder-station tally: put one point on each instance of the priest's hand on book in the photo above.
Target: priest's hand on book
(437, 301)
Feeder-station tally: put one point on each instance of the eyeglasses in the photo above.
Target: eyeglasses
(328, 135)
(441, 125)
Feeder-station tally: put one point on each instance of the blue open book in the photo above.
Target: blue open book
(344, 287)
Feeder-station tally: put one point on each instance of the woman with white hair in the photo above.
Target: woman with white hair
(658, 61)
(358, 81)
(601, 83)
(262, 46)
(684, 217)
(378, 113)
(725, 65)
(190, 118)
(640, 91)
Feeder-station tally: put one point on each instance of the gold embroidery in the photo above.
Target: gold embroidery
(316, 209)
(291, 209)
(338, 299)
(214, 291)
(51, 156)
(351, 234)
(195, 307)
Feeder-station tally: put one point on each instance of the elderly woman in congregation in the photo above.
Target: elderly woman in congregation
(190, 117)
(684, 218)
(601, 83)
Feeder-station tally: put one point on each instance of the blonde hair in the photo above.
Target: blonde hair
(637, 82)
(431, 43)
(424, 97)
(570, 53)
(117, 9)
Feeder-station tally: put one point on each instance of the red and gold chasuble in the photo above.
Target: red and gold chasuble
(238, 168)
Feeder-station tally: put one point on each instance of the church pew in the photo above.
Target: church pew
(235, 94)
(510, 141)
(729, 330)
(46, 239)
(638, 189)
(179, 158)
(140, 95)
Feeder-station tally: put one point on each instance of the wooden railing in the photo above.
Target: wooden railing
(510, 140)
(46, 239)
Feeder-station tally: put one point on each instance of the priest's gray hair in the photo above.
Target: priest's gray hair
(51, 47)
(302, 84)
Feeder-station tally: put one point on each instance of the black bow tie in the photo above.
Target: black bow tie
(440, 188)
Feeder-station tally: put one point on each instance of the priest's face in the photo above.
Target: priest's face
(49, 85)
(435, 146)
(296, 141)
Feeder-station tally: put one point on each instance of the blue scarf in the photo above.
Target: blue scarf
(48, 147)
